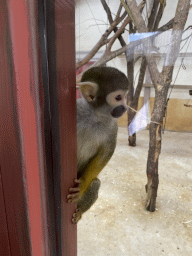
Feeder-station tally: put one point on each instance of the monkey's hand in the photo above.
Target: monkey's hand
(76, 216)
(74, 195)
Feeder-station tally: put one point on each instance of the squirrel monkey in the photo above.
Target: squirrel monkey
(104, 91)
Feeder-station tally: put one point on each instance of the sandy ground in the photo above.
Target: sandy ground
(118, 224)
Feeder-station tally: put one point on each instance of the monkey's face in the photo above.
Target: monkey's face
(105, 90)
(117, 100)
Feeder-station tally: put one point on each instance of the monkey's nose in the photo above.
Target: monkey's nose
(118, 111)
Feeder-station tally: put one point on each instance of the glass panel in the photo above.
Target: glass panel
(151, 43)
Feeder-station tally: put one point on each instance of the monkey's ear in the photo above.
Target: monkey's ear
(88, 90)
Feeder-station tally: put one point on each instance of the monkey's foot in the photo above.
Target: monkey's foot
(74, 195)
(76, 216)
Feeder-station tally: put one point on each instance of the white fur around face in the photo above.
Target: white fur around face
(113, 96)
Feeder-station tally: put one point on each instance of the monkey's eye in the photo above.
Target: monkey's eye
(118, 97)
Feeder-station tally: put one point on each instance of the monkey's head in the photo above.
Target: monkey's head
(105, 89)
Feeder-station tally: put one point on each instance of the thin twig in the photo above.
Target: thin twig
(108, 11)
(143, 115)
(125, 49)
(102, 41)
(138, 21)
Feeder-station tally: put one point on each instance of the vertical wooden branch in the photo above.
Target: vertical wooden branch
(130, 74)
(161, 82)
(133, 102)
(160, 103)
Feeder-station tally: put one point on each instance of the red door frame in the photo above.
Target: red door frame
(15, 237)
(37, 151)
(62, 78)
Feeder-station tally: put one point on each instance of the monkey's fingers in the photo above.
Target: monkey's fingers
(76, 216)
(77, 181)
(73, 197)
(74, 189)
(74, 192)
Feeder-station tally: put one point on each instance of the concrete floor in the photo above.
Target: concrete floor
(118, 224)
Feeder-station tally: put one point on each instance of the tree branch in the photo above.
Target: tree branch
(153, 14)
(102, 41)
(174, 46)
(125, 49)
(130, 74)
(108, 11)
(122, 28)
(119, 11)
(159, 15)
(107, 56)
(135, 15)
(139, 22)
(117, 34)
(153, 23)
(141, 79)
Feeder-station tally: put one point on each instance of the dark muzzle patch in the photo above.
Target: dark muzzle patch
(118, 111)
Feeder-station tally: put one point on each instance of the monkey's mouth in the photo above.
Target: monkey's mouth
(118, 111)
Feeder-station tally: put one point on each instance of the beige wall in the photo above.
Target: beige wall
(179, 117)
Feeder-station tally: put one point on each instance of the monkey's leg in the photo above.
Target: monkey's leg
(87, 200)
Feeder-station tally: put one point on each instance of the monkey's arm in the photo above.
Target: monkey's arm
(88, 182)
(91, 171)
(95, 166)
